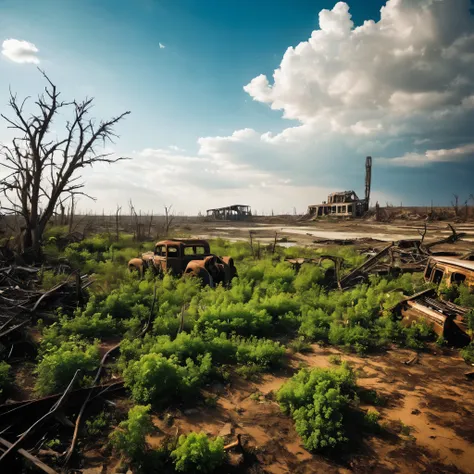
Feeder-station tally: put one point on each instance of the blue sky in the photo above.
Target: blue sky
(190, 95)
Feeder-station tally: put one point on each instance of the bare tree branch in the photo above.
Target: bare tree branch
(44, 171)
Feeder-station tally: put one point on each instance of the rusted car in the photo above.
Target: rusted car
(446, 319)
(450, 270)
(190, 257)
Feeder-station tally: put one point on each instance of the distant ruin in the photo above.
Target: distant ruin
(235, 212)
(345, 203)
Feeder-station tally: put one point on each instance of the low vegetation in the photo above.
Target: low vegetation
(196, 453)
(197, 335)
(129, 438)
(318, 401)
(5, 377)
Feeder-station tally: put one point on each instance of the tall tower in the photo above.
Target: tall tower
(368, 180)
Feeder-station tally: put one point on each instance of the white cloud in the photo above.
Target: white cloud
(20, 51)
(387, 86)
(399, 87)
(162, 46)
(431, 156)
(175, 148)
(397, 65)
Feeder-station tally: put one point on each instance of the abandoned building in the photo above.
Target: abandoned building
(345, 203)
(235, 212)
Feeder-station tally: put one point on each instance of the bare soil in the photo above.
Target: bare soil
(427, 419)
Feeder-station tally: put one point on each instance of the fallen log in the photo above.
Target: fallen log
(15, 446)
(33, 459)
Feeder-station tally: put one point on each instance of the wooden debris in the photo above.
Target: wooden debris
(33, 459)
(411, 361)
(72, 446)
(15, 446)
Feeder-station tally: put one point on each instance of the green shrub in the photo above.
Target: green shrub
(195, 453)
(59, 364)
(315, 325)
(466, 296)
(317, 400)
(129, 439)
(157, 379)
(49, 279)
(5, 376)
(261, 352)
(82, 325)
(371, 421)
(469, 318)
(418, 334)
(97, 425)
(308, 276)
(449, 293)
(239, 318)
(335, 359)
(468, 353)
(300, 345)
(249, 371)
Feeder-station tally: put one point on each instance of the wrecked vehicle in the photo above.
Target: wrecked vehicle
(450, 271)
(190, 257)
(447, 319)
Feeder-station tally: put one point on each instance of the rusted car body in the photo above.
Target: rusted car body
(450, 271)
(187, 257)
(446, 319)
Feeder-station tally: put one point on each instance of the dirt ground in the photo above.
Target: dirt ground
(427, 421)
(428, 417)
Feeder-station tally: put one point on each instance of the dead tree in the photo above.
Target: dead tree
(41, 168)
(150, 224)
(169, 218)
(423, 234)
(455, 204)
(117, 222)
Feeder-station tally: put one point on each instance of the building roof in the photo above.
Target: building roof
(467, 264)
(341, 193)
(227, 207)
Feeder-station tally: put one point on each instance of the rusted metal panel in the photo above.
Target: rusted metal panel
(447, 319)
(450, 271)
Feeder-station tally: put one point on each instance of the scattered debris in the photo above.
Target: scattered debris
(412, 361)
(447, 319)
